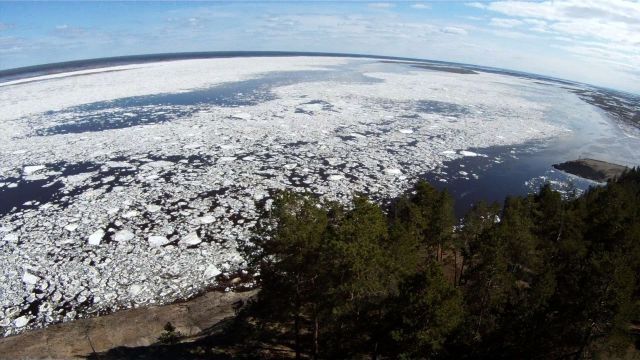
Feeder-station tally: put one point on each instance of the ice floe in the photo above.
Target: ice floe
(96, 237)
(123, 235)
(157, 240)
(30, 279)
(191, 239)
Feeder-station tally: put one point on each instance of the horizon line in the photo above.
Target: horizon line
(14, 73)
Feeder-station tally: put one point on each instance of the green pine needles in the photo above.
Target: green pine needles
(538, 277)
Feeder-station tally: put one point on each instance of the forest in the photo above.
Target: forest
(538, 277)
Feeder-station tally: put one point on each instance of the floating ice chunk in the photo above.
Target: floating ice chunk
(290, 166)
(463, 173)
(405, 131)
(50, 184)
(157, 241)
(107, 179)
(71, 227)
(118, 164)
(28, 170)
(130, 214)
(153, 208)
(35, 177)
(226, 159)
(241, 116)
(468, 153)
(207, 219)
(311, 107)
(393, 171)
(158, 164)
(78, 178)
(22, 321)
(134, 290)
(211, 271)
(123, 235)
(190, 239)
(96, 237)
(12, 185)
(10, 238)
(30, 279)
(336, 177)
(192, 146)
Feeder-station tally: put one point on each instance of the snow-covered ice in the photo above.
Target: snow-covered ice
(96, 237)
(191, 239)
(123, 235)
(157, 240)
(30, 279)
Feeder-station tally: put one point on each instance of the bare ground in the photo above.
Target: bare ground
(128, 328)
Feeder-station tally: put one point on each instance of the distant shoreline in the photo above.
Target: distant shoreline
(591, 169)
(87, 64)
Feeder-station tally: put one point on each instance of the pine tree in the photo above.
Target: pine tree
(427, 310)
(289, 254)
(170, 336)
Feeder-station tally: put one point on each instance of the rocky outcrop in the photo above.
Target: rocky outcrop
(135, 327)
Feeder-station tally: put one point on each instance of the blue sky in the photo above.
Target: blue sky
(594, 41)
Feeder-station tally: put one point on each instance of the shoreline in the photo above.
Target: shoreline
(126, 328)
(592, 169)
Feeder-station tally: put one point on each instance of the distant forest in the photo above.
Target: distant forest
(536, 277)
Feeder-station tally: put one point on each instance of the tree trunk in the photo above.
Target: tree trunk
(375, 352)
(297, 334)
(461, 270)
(455, 267)
(316, 335)
(297, 326)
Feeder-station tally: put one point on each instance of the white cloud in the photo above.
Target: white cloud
(477, 5)
(505, 23)
(601, 31)
(421, 6)
(512, 34)
(453, 30)
(351, 28)
(612, 20)
(381, 5)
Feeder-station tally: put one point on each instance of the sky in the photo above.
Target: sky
(591, 41)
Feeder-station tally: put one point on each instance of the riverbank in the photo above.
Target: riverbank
(127, 328)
